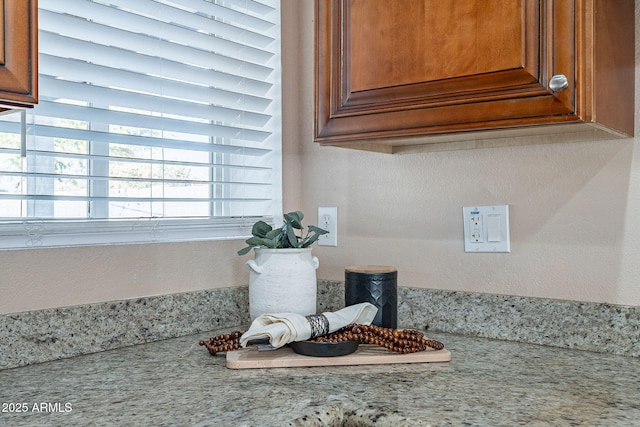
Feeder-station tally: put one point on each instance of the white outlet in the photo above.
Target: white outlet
(476, 229)
(328, 220)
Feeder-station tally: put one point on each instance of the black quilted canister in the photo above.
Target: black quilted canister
(377, 285)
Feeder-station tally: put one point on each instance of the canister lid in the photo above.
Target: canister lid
(370, 269)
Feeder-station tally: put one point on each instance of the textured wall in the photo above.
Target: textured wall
(45, 278)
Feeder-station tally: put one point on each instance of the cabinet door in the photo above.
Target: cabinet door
(419, 67)
(18, 52)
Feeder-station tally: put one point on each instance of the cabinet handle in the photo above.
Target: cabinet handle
(558, 83)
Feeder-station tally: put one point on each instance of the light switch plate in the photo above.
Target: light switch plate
(486, 228)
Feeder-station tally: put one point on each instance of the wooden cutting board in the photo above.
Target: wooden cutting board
(366, 354)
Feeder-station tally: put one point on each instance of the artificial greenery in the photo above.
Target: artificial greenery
(265, 236)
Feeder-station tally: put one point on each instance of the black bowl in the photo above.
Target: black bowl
(324, 349)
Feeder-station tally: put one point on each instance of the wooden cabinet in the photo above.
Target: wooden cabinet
(18, 53)
(392, 74)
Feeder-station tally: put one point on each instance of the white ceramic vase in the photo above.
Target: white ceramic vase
(282, 281)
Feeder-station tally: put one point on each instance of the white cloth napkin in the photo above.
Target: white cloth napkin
(283, 328)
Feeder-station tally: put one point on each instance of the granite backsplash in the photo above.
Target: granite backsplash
(44, 335)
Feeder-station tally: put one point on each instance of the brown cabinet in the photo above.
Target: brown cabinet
(18, 53)
(391, 74)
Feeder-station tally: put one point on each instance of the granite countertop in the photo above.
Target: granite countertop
(176, 382)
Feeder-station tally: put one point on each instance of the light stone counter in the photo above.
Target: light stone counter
(173, 383)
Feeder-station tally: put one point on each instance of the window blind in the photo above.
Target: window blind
(158, 120)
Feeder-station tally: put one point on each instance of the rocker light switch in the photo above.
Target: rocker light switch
(493, 228)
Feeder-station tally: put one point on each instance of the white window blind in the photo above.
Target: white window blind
(158, 120)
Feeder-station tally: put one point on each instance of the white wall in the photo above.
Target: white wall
(43, 278)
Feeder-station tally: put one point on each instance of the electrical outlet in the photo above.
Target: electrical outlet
(476, 228)
(328, 220)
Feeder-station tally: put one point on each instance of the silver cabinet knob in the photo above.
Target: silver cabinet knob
(558, 83)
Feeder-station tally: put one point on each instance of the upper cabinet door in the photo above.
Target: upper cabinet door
(19, 53)
(393, 69)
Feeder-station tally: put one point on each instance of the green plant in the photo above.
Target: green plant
(265, 236)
